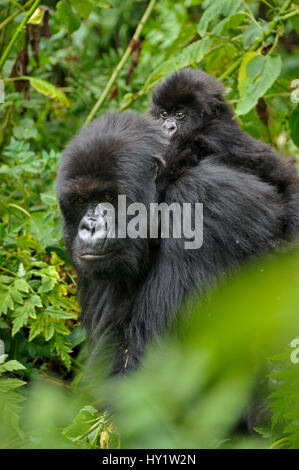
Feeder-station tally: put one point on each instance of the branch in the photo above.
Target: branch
(17, 33)
(121, 63)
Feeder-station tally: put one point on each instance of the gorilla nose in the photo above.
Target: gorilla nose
(169, 128)
(92, 232)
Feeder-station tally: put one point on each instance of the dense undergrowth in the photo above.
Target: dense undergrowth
(58, 68)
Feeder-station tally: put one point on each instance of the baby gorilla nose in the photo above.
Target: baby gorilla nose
(169, 127)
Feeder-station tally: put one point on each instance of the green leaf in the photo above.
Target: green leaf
(49, 199)
(192, 54)
(83, 7)
(25, 129)
(294, 126)
(262, 72)
(47, 89)
(49, 331)
(7, 384)
(67, 16)
(47, 284)
(10, 366)
(21, 285)
(21, 317)
(217, 7)
(6, 302)
(243, 78)
(251, 34)
(21, 271)
(59, 314)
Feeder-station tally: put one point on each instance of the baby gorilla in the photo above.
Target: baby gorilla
(199, 123)
(132, 288)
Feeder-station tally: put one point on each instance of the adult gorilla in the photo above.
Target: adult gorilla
(132, 288)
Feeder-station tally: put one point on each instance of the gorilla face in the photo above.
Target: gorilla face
(187, 100)
(106, 160)
(177, 120)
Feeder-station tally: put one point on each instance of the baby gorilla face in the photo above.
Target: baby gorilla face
(176, 121)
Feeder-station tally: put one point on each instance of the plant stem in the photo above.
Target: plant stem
(13, 15)
(121, 63)
(288, 15)
(277, 443)
(17, 33)
(231, 69)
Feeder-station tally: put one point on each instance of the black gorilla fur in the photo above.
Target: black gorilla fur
(208, 128)
(135, 291)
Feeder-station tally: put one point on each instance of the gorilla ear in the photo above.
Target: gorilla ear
(159, 164)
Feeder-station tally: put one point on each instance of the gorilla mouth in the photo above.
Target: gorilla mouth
(94, 256)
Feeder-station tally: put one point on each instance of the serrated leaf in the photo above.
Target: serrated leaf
(8, 384)
(6, 302)
(49, 331)
(21, 271)
(35, 330)
(10, 366)
(59, 314)
(20, 320)
(47, 284)
(21, 285)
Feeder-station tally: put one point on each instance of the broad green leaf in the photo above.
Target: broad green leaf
(243, 78)
(67, 16)
(251, 34)
(192, 54)
(49, 199)
(262, 72)
(83, 7)
(215, 8)
(47, 89)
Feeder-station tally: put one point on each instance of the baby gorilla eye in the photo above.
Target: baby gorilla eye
(180, 115)
(107, 198)
(164, 114)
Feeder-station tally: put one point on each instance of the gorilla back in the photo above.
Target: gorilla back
(131, 288)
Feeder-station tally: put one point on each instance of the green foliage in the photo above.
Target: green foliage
(207, 377)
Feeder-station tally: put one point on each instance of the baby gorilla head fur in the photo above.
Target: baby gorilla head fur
(186, 100)
(105, 160)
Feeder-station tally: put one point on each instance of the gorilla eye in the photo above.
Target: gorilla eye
(180, 115)
(164, 114)
(107, 198)
(80, 200)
